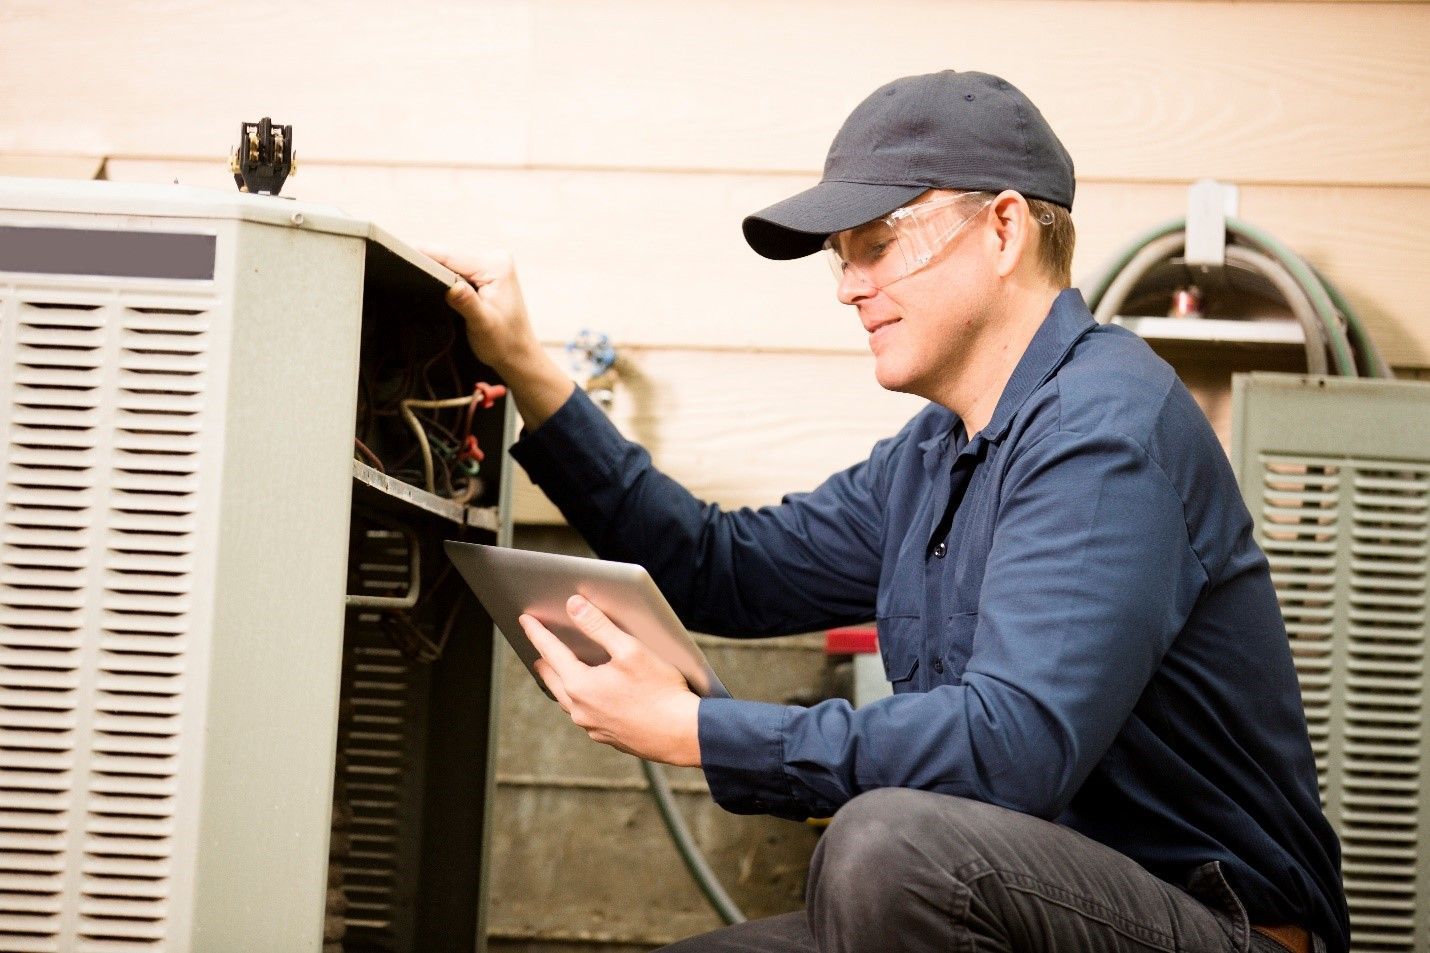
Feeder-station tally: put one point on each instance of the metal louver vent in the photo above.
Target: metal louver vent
(1382, 836)
(381, 762)
(95, 565)
(1347, 541)
(1299, 536)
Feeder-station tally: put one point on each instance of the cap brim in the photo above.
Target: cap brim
(799, 225)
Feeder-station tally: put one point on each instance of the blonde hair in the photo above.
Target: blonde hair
(1056, 240)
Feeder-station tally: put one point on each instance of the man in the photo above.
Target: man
(1096, 741)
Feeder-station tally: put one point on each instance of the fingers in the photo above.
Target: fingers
(561, 659)
(441, 254)
(598, 627)
(478, 268)
(553, 684)
(462, 295)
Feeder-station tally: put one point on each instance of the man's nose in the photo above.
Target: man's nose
(854, 286)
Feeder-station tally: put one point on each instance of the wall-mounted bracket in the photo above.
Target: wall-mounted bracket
(1209, 204)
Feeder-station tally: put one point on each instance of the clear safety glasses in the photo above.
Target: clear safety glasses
(891, 248)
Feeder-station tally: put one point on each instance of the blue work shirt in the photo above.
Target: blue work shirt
(1071, 608)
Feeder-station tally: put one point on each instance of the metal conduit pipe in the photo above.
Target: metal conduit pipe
(414, 583)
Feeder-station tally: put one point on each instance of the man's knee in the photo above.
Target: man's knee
(881, 833)
(896, 864)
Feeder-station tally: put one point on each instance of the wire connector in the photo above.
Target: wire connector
(264, 157)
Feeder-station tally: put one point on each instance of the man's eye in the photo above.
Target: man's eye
(874, 251)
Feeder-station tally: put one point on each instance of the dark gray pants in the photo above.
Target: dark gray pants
(902, 870)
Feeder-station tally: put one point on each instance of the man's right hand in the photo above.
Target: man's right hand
(489, 300)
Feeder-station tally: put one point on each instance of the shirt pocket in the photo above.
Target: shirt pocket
(958, 644)
(899, 642)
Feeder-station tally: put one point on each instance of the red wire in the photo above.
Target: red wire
(369, 454)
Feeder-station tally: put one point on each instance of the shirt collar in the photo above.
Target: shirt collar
(935, 448)
(1067, 321)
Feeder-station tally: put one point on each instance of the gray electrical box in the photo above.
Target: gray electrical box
(221, 636)
(1336, 473)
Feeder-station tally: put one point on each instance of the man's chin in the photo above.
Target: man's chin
(892, 378)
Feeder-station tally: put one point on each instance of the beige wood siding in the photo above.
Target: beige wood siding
(614, 145)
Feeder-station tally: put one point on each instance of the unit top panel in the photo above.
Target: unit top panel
(102, 199)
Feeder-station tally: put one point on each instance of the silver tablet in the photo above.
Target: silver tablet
(510, 582)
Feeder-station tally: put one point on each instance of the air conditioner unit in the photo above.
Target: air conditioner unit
(197, 579)
(1336, 473)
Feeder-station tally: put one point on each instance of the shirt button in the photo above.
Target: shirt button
(938, 665)
(941, 550)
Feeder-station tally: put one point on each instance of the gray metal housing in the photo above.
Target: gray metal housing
(1336, 473)
(174, 554)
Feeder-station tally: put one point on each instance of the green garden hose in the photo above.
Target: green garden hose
(695, 862)
(1340, 330)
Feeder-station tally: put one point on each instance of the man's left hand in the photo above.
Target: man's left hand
(637, 702)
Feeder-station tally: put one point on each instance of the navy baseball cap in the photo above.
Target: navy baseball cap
(949, 130)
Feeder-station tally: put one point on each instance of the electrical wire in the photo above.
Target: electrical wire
(483, 394)
(424, 373)
(363, 449)
(420, 432)
(469, 492)
(401, 377)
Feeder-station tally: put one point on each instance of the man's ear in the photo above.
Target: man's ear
(1013, 226)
